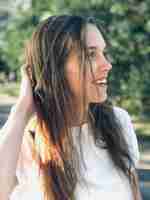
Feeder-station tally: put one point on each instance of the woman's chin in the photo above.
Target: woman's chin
(101, 99)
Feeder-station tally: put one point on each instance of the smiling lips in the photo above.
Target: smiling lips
(100, 82)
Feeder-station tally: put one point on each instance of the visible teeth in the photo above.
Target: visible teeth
(101, 81)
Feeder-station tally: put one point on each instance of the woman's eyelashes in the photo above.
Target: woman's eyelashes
(92, 55)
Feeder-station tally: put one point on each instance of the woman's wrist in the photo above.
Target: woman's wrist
(21, 111)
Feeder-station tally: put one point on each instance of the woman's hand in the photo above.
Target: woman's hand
(25, 101)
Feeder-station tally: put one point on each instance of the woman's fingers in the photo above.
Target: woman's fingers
(26, 94)
(26, 71)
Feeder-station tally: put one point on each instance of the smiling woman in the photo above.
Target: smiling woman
(96, 69)
(80, 146)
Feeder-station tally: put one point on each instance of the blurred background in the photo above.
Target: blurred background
(126, 28)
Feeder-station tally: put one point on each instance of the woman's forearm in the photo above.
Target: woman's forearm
(11, 136)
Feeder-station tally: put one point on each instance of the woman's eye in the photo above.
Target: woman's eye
(92, 55)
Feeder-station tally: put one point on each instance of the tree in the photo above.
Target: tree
(126, 28)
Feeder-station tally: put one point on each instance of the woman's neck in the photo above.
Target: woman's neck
(80, 118)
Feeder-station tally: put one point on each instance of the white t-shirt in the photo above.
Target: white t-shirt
(103, 181)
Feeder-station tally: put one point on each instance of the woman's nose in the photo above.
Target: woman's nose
(104, 64)
(108, 65)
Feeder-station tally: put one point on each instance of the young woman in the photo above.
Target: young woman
(76, 145)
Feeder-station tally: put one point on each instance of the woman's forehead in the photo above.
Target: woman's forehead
(94, 37)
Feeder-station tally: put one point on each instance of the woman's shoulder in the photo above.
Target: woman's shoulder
(129, 132)
(120, 112)
(123, 117)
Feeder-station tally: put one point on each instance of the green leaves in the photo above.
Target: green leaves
(127, 31)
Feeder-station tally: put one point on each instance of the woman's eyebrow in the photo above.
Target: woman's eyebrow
(92, 47)
(96, 47)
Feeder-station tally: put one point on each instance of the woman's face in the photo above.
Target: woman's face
(101, 66)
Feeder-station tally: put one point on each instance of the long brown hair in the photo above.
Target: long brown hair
(60, 161)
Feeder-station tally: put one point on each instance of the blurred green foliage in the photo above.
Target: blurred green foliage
(126, 28)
